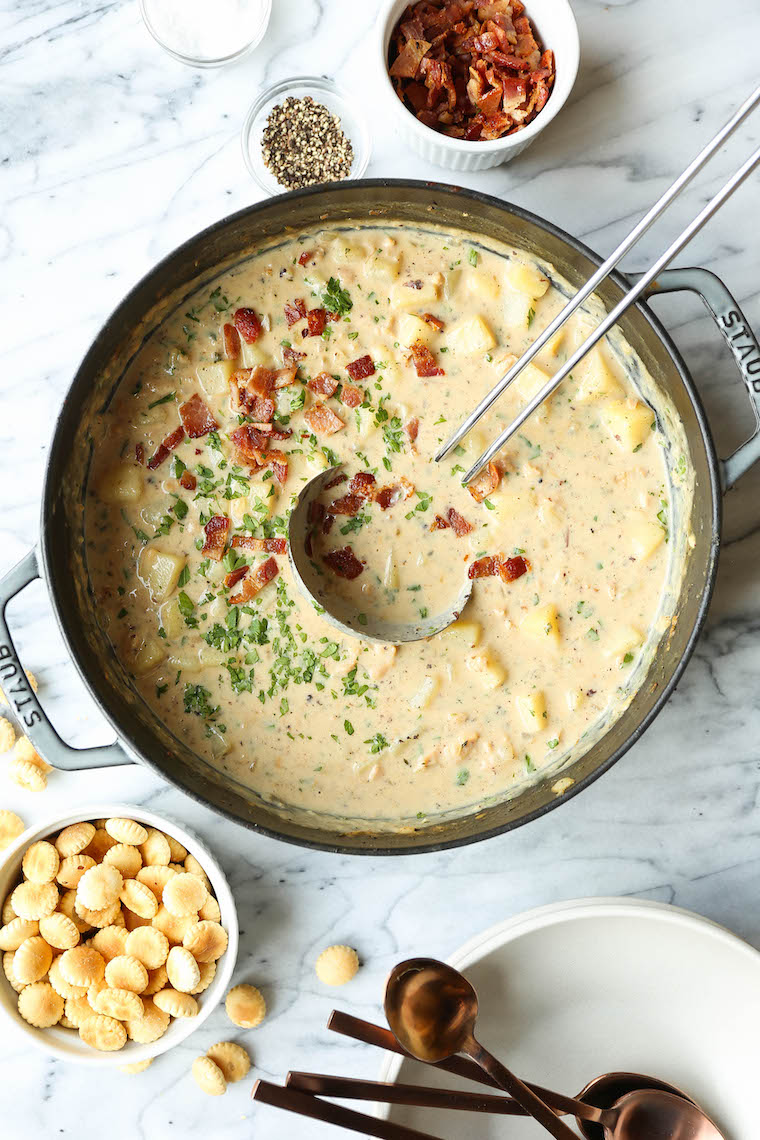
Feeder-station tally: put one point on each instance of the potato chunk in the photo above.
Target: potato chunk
(463, 633)
(382, 265)
(214, 379)
(406, 295)
(490, 672)
(410, 329)
(159, 571)
(527, 279)
(531, 709)
(542, 622)
(629, 422)
(121, 484)
(644, 535)
(150, 654)
(622, 641)
(595, 381)
(530, 381)
(471, 334)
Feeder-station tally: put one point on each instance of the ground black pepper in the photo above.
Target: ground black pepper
(303, 144)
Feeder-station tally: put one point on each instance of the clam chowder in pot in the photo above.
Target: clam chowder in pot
(364, 348)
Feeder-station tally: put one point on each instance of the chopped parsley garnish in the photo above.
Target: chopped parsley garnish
(186, 607)
(184, 577)
(197, 701)
(163, 400)
(472, 257)
(377, 743)
(531, 316)
(463, 776)
(348, 727)
(336, 299)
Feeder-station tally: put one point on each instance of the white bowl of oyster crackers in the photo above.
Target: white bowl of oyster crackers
(129, 968)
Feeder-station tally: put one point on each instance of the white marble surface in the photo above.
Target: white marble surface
(112, 154)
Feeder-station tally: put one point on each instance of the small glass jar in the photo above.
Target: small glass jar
(252, 32)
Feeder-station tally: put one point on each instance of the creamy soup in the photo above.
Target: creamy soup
(365, 348)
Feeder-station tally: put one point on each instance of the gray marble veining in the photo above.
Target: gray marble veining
(112, 154)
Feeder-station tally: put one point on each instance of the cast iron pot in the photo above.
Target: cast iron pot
(60, 559)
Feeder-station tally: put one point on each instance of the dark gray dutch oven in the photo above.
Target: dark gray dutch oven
(60, 555)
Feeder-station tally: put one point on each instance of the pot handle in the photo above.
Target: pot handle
(740, 339)
(21, 696)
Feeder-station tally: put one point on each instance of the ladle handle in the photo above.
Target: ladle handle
(521, 1093)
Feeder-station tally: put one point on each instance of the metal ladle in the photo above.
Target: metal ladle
(314, 583)
(432, 1010)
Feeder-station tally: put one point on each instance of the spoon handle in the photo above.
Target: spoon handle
(521, 1093)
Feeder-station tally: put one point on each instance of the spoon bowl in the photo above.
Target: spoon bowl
(608, 1088)
(314, 582)
(431, 1009)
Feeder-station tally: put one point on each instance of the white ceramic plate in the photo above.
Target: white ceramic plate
(573, 990)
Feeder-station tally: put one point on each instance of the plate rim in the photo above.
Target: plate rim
(538, 918)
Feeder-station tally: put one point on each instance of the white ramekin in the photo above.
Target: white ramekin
(555, 23)
(66, 1044)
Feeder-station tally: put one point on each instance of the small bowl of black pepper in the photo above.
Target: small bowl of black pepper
(304, 132)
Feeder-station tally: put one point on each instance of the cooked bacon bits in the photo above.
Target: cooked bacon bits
(235, 576)
(231, 341)
(216, 530)
(284, 377)
(324, 384)
(323, 420)
(188, 481)
(348, 505)
(472, 71)
(513, 568)
(139, 453)
(458, 524)
(165, 448)
(196, 417)
(292, 355)
(485, 483)
(278, 461)
(316, 319)
(350, 396)
(424, 361)
(263, 574)
(248, 325)
(306, 256)
(484, 567)
(439, 523)
(265, 545)
(361, 368)
(413, 430)
(295, 312)
(253, 387)
(436, 322)
(343, 563)
(363, 484)
(388, 496)
(250, 442)
(509, 569)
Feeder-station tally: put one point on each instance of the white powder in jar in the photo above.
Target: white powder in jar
(207, 29)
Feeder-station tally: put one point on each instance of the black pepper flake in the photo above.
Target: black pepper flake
(303, 144)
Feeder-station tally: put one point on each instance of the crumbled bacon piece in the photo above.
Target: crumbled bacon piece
(306, 257)
(424, 361)
(279, 433)
(196, 417)
(485, 483)
(256, 582)
(295, 312)
(235, 576)
(248, 325)
(292, 355)
(261, 408)
(317, 319)
(267, 545)
(348, 505)
(470, 70)
(362, 483)
(458, 524)
(324, 384)
(284, 377)
(231, 340)
(336, 481)
(413, 430)
(188, 480)
(165, 448)
(439, 523)
(388, 496)
(436, 322)
(512, 568)
(278, 461)
(139, 453)
(361, 368)
(216, 530)
(484, 567)
(323, 420)
(250, 442)
(344, 563)
(350, 396)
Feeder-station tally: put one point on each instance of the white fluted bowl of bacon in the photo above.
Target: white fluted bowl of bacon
(472, 85)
